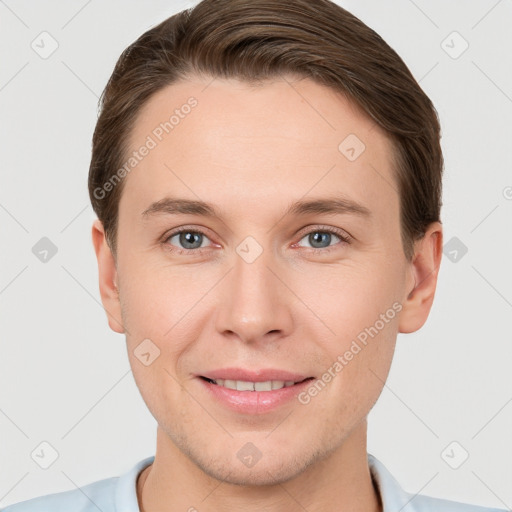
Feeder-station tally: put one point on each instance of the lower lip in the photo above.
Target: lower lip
(254, 402)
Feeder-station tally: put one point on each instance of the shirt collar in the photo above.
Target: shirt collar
(126, 489)
(393, 497)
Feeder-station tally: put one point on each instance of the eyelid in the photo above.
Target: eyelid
(344, 235)
(171, 232)
(345, 239)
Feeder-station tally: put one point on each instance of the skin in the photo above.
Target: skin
(251, 152)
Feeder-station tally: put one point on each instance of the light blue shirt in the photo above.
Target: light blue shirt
(119, 494)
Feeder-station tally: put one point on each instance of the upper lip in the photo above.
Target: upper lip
(262, 375)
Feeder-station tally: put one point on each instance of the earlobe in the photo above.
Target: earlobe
(107, 274)
(424, 269)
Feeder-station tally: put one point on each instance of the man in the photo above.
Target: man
(267, 180)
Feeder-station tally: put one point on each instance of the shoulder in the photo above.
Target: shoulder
(420, 503)
(95, 496)
(394, 498)
(109, 495)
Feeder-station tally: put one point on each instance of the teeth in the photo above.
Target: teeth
(242, 385)
(263, 386)
(230, 384)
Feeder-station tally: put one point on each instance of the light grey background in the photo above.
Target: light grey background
(64, 376)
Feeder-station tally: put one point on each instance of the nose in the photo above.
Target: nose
(255, 303)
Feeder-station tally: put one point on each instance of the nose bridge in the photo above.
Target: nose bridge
(253, 303)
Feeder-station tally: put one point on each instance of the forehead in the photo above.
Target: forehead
(228, 141)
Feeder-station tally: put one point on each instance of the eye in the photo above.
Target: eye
(186, 240)
(190, 241)
(321, 239)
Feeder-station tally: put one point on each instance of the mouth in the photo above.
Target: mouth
(244, 385)
(253, 391)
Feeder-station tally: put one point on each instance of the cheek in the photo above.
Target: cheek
(164, 311)
(159, 299)
(359, 312)
(354, 374)
(351, 297)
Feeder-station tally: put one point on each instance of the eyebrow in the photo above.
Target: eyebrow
(328, 205)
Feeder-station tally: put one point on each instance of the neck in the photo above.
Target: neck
(340, 481)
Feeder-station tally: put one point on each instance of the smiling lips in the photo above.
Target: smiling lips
(253, 392)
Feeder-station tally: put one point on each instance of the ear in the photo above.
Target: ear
(423, 272)
(107, 277)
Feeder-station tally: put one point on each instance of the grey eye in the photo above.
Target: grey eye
(188, 239)
(320, 239)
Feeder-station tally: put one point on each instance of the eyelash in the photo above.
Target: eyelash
(342, 235)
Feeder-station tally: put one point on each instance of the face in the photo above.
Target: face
(292, 273)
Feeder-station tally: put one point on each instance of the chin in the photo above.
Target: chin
(262, 474)
(270, 466)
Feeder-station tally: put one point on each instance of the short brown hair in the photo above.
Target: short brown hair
(254, 40)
